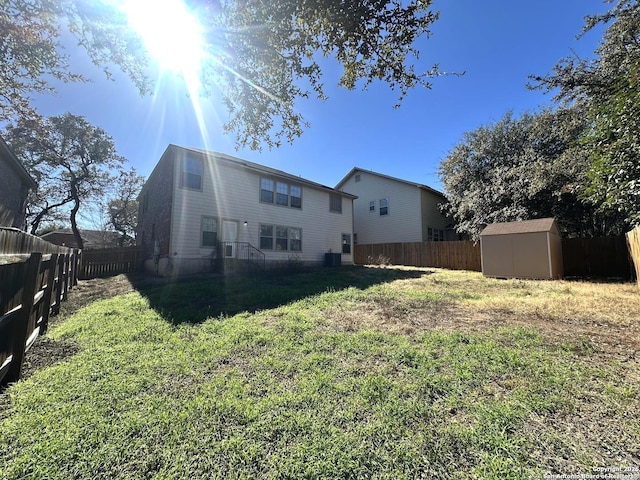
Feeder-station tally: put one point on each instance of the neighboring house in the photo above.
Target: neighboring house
(15, 183)
(390, 210)
(92, 239)
(200, 209)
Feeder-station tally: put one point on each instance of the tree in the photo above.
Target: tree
(520, 169)
(122, 208)
(262, 56)
(72, 159)
(608, 85)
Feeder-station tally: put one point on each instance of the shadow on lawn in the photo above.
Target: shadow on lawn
(193, 300)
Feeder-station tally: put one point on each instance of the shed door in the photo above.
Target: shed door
(229, 237)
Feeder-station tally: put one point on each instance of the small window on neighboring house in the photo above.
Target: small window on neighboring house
(209, 231)
(346, 243)
(357, 178)
(355, 238)
(335, 203)
(282, 193)
(384, 206)
(266, 237)
(266, 190)
(435, 234)
(192, 169)
(372, 206)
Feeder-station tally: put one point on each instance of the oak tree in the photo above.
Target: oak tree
(72, 161)
(262, 56)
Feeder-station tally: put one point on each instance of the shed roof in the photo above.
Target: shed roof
(523, 226)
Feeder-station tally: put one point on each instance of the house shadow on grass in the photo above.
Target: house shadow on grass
(194, 299)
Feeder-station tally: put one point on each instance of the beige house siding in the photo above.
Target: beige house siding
(413, 209)
(231, 192)
(432, 218)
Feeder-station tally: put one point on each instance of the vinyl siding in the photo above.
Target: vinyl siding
(232, 192)
(431, 216)
(402, 224)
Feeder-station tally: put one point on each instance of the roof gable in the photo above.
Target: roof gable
(355, 170)
(523, 226)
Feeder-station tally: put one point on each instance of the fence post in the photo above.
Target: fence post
(58, 283)
(20, 340)
(75, 265)
(48, 292)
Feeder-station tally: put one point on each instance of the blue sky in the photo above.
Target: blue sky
(498, 43)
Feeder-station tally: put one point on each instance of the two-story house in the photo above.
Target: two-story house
(201, 209)
(390, 210)
(15, 183)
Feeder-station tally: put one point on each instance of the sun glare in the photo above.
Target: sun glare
(172, 35)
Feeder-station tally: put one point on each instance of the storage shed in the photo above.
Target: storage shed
(525, 249)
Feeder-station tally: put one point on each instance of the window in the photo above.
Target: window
(346, 243)
(372, 206)
(209, 236)
(281, 238)
(192, 173)
(266, 237)
(296, 196)
(357, 177)
(435, 235)
(280, 193)
(295, 239)
(266, 190)
(335, 203)
(384, 206)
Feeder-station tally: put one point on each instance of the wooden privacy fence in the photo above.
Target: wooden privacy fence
(633, 241)
(596, 257)
(35, 276)
(460, 255)
(106, 262)
(582, 257)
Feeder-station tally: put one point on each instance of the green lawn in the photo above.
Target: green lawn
(346, 373)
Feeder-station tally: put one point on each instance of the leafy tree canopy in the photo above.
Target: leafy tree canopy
(519, 169)
(263, 56)
(608, 87)
(71, 161)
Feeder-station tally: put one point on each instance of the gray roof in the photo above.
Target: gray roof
(407, 182)
(523, 226)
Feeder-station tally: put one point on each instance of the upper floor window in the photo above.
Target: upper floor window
(384, 206)
(335, 203)
(296, 196)
(192, 169)
(280, 193)
(266, 190)
(372, 206)
(357, 177)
